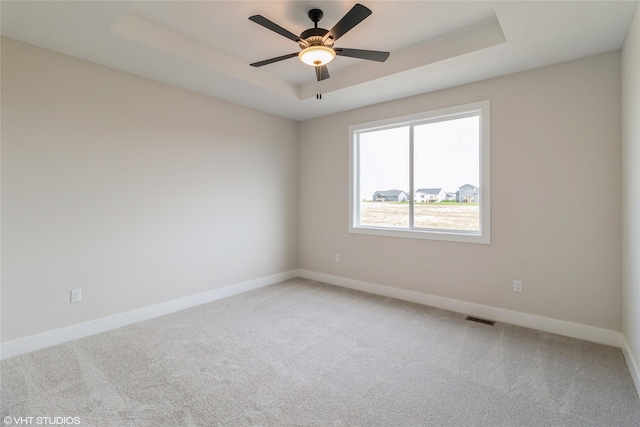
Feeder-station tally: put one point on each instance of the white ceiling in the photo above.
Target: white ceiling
(206, 46)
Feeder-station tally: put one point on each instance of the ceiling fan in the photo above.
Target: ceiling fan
(317, 43)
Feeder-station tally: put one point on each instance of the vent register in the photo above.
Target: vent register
(479, 320)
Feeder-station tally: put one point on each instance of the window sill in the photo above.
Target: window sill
(439, 235)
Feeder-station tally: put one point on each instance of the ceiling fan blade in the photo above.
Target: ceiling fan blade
(355, 16)
(371, 55)
(322, 73)
(261, 20)
(272, 60)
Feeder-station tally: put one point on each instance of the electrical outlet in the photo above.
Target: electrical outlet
(337, 258)
(517, 286)
(76, 295)
(264, 259)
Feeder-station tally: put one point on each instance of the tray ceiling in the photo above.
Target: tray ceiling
(206, 46)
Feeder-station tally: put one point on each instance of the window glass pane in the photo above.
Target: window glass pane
(447, 174)
(384, 178)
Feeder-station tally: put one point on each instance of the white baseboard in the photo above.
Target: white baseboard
(631, 363)
(81, 330)
(560, 327)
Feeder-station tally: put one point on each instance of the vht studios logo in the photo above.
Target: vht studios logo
(41, 421)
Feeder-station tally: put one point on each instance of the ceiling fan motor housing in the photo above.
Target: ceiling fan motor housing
(313, 37)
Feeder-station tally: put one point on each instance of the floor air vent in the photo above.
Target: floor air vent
(478, 320)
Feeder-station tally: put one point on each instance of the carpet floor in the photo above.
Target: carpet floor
(302, 353)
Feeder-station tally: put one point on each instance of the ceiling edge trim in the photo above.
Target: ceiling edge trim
(462, 43)
(152, 35)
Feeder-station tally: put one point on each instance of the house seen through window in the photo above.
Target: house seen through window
(424, 176)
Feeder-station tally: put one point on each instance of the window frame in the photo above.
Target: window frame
(459, 111)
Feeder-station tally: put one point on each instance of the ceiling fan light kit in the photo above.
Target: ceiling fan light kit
(317, 43)
(317, 55)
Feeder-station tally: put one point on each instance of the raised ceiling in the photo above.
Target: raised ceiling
(206, 46)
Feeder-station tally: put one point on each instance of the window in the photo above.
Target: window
(422, 176)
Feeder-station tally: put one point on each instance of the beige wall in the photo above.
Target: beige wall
(630, 187)
(555, 199)
(135, 191)
(140, 193)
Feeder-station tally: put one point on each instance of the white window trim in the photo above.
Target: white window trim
(484, 235)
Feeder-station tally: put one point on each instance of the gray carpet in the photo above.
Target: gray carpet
(302, 353)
